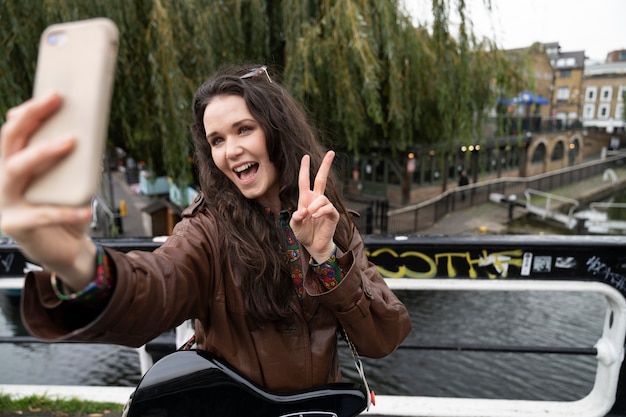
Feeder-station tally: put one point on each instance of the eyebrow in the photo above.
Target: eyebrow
(234, 125)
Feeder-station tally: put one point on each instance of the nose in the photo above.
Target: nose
(233, 148)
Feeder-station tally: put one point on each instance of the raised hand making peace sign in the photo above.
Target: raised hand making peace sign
(315, 220)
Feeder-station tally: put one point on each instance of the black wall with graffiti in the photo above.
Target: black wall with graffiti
(596, 258)
(600, 258)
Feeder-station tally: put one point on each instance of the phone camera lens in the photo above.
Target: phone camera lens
(56, 38)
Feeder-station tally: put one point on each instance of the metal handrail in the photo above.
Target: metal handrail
(547, 211)
(606, 205)
(609, 352)
(522, 180)
(99, 206)
(412, 218)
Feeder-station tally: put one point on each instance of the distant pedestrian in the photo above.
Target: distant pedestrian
(463, 181)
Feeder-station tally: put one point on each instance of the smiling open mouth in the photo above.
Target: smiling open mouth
(246, 171)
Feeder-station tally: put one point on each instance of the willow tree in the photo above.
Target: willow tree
(470, 75)
(369, 76)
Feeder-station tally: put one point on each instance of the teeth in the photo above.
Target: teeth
(243, 167)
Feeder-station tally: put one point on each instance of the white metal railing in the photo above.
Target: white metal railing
(596, 219)
(12, 283)
(546, 210)
(597, 403)
(606, 205)
(610, 354)
(102, 216)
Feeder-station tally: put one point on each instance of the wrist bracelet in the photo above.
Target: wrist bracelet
(100, 281)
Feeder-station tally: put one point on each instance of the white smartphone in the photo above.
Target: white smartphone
(77, 60)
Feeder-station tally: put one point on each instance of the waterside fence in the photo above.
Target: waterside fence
(416, 217)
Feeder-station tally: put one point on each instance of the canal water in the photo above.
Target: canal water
(439, 318)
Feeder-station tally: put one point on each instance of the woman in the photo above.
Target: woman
(268, 265)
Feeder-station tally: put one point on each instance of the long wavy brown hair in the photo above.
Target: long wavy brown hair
(251, 235)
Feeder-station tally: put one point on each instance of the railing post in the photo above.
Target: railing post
(383, 216)
(369, 217)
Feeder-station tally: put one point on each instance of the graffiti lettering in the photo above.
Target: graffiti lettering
(597, 267)
(429, 271)
(501, 261)
(415, 264)
(31, 267)
(7, 261)
(451, 270)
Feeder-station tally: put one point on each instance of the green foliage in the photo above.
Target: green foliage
(36, 403)
(371, 79)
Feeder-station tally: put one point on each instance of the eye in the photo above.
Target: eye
(245, 129)
(216, 140)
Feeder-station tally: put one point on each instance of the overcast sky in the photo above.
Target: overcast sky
(594, 26)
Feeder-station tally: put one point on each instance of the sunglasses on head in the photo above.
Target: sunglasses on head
(257, 72)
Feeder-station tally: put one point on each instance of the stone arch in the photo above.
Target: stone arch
(549, 151)
(558, 151)
(538, 153)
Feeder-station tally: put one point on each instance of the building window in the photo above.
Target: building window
(619, 112)
(591, 93)
(552, 51)
(603, 111)
(566, 62)
(588, 111)
(565, 73)
(621, 92)
(606, 93)
(562, 94)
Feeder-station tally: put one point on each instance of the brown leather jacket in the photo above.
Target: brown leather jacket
(192, 276)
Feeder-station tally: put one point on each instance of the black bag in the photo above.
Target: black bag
(194, 383)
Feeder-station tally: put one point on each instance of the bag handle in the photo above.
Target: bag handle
(371, 398)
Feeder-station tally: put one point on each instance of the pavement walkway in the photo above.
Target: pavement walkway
(134, 222)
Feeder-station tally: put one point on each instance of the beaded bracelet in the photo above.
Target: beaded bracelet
(97, 288)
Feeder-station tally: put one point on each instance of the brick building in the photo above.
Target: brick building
(604, 87)
(543, 77)
(567, 95)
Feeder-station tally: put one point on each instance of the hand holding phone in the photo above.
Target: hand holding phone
(76, 60)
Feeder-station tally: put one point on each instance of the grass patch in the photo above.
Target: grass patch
(36, 403)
